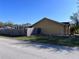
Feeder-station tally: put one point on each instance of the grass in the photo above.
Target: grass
(57, 40)
(31, 38)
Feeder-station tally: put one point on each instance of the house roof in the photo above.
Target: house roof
(49, 20)
(66, 23)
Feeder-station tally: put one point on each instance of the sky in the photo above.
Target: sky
(31, 11)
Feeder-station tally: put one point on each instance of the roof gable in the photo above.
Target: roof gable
(48, 20)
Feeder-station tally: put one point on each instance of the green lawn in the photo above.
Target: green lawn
(58, 40)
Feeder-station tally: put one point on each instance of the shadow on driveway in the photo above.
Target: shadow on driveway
(55, 48)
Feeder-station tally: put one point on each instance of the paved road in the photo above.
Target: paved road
(13, 49)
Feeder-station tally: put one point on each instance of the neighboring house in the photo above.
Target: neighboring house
(51, 27)
(13, 31)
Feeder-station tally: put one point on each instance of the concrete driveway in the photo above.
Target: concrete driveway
(14, 49)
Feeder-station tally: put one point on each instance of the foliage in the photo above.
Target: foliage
(12, 24)
(75, 18)
(72, 30)
(8, 24)
(27, 24)
(74, 27)
(1, 24)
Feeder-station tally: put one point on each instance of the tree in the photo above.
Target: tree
(75, 24)
(26, 25)
(8, 24)
(1, 24)
(75, 18)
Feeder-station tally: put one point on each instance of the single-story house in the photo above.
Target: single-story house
(50, 27)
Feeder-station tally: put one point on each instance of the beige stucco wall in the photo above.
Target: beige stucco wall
(51, 28)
